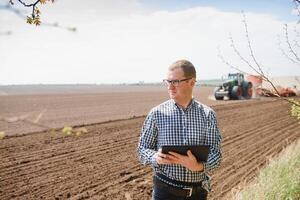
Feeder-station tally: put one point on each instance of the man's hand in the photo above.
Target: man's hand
(162, 158)
(188, 161)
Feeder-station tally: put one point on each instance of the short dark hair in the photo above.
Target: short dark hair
(186, 66)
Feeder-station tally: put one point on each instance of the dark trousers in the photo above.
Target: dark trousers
(160, 193)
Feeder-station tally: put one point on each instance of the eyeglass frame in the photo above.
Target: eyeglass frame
(175, 83)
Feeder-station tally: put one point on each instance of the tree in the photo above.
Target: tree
(258, 69)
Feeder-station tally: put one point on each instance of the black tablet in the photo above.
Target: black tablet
(199, 151)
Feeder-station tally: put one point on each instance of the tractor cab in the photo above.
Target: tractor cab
(236, 76)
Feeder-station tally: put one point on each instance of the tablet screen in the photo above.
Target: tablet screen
(199, 151)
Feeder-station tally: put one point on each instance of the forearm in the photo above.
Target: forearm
(146, 156)
(214, 140)
(148, 141)
(213, 161)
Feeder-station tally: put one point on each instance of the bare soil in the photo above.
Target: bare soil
(102, 164)
(68, 106)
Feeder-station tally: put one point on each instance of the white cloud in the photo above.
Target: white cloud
(122, 42)
(295, 12)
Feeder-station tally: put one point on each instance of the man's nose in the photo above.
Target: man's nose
(171, 86)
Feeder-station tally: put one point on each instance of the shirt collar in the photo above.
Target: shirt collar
(191, 104)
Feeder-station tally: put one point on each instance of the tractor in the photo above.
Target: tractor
(235, 87)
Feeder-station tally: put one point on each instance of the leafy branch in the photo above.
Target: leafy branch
(295, 110)
(20, 13)
(35, 14)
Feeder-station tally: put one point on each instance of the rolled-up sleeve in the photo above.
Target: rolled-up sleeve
(147, 146)
(214, 139)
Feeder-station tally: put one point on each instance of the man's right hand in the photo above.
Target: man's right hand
(162, 159)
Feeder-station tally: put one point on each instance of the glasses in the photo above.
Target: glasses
(175, 82)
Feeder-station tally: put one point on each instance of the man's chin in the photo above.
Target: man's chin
(172, 96)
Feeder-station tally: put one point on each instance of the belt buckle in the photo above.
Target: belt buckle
(190, 190)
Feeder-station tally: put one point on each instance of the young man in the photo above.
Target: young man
(180, 121)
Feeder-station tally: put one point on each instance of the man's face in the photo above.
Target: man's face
(184, 89)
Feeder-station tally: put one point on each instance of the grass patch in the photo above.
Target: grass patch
(278, 180)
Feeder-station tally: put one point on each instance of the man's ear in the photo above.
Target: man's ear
(193, 82)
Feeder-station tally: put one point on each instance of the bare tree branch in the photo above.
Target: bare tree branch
(258, 68)
(296, 3)
(297, 36)
(33, 5)
(28, 5)
(296, 43)
(262, 74)
(292, 51)
(296, 32)
(240, 56)
(284, 53)
(249, 43)
(228, 64)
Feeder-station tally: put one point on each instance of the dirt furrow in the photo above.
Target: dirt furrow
(102, 164)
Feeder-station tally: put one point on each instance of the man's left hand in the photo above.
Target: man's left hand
(188, 161)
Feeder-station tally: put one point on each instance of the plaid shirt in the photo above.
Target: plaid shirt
(169, 124)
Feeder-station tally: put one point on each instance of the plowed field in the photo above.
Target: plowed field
(102, 164)
(71, 107)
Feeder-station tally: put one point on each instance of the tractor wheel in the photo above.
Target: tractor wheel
(236, 92)
(249, 93)
(247, 90)
(215, 93)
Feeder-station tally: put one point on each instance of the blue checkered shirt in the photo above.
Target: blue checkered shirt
(169, 124)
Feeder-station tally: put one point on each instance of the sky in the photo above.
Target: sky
(129, 41)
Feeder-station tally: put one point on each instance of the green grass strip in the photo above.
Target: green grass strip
(280, 180)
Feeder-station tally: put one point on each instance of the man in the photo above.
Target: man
(180, 121)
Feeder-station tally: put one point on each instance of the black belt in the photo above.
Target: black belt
(175, 182)
(185, 191)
